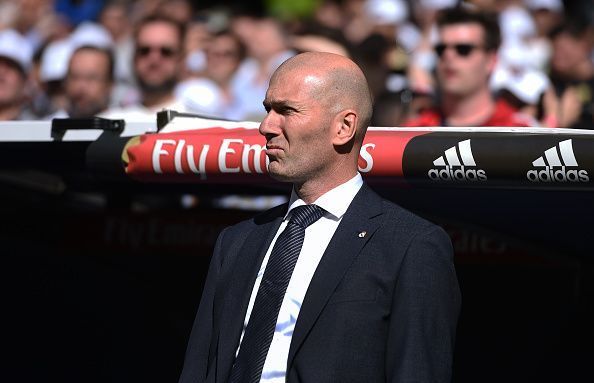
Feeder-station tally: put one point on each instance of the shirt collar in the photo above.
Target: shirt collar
(335, 201)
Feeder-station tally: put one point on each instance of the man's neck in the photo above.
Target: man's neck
(152, 100)
(309, 191)
(469, 110)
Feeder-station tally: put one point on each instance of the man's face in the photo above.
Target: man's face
(568, 54)
(266, 39)
(464, 66)
(157, 60)
(88, 83)
(223, 59)
(12, 83)
(297, 129)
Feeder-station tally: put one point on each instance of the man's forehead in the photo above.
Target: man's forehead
(462, 31)
(158, 31)
(291, 82)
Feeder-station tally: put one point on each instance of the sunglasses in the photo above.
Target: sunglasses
(462, 50)
(146, 50)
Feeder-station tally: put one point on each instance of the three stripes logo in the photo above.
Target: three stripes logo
(457, 164)
(558, 164)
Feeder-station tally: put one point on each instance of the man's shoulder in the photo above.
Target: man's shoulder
(407, 227)
(399, 217)
(506, 115)
(262, 218)
(405, 219)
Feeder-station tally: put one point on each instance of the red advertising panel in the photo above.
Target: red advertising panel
(239, 155)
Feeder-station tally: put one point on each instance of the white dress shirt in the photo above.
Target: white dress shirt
(317, 236)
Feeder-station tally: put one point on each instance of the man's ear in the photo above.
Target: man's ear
(345, 127)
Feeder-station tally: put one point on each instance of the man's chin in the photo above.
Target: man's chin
(278, 174)
(163, 86)
(84, 111)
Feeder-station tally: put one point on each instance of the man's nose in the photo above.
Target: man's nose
(270, 125)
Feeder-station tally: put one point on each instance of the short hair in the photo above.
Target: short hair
(241, 49)
(159, 18)
(104, 51)
(576, 28)
(462, 15)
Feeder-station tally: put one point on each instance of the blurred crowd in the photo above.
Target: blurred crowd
(428, 62)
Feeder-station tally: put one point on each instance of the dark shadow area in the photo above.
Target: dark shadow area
(103, 286)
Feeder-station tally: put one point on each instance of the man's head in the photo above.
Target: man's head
(224, 54)
(264, 37)
(15, 60)
(466, 50)
(114, 18)
(319, 107)
(571, 49)
(158, 54)
(89, 81)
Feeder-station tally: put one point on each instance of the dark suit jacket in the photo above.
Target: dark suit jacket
(382, 307)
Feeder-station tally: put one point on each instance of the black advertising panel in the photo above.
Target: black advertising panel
(495, 159)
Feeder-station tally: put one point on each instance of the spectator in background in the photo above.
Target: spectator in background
(198, 36)
(52, 71)
(89, 81)
(330, 13)
(523, 86)
(15, 60)
(55, 60)
(158, 60)
(178, 10)
(422, 56)
(547, 15)
(212, 91)
(34, 19)
(467, 54)
(114, 17)
(374, 52)
(572, 74)
(266, 41)
(315, 37)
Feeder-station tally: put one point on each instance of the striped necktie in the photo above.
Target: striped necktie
(260, 328)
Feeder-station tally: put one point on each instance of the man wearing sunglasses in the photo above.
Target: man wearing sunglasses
(158, 60)
(466, 56)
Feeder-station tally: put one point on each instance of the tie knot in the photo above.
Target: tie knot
(305, 215)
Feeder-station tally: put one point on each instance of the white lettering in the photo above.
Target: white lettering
(245, 157)
(225, 149)
(201, 169)
(560, 175)
(366, 156)
(158, 152)
(177, 160)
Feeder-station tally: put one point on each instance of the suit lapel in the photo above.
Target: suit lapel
(238, 291)
(346, 244)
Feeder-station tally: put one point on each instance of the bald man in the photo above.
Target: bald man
(366, 293)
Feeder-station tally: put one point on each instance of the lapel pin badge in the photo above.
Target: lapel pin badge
(362, 234)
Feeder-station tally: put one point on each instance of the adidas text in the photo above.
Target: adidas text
(459, 174)
(559, 175)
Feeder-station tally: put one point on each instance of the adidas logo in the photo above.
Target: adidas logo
(553, 166)
(454, 165)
